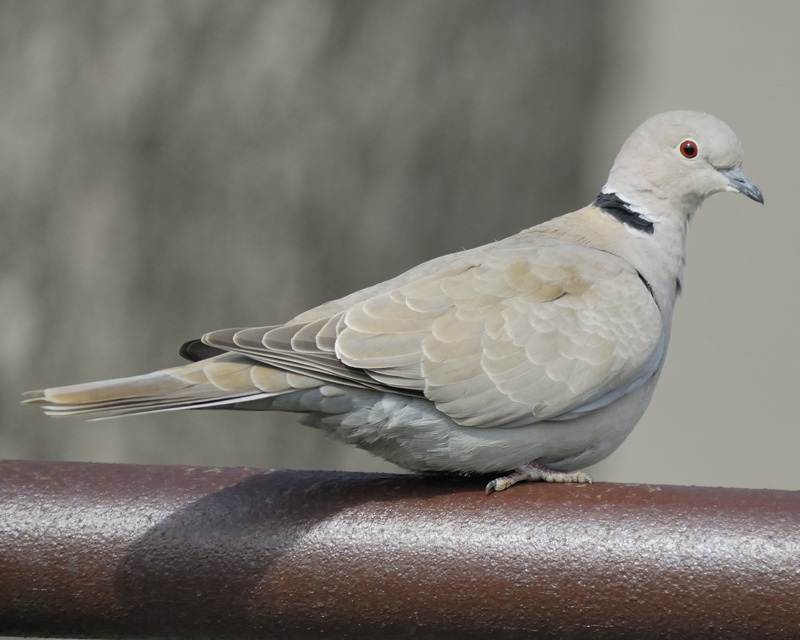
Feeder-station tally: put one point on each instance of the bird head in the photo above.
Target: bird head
(674, 161)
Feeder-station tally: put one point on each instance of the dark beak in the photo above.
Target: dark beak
(741, 184)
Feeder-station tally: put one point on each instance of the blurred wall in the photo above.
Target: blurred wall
(175, 167)
(169, 168)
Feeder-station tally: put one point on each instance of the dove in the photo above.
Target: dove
(528, 358)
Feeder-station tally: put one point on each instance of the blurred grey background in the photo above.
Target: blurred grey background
(169, 168)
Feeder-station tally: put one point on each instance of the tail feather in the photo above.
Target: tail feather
(209, 383)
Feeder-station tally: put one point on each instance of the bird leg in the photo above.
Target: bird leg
(533, 471)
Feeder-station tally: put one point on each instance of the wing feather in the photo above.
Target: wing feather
(498, 338)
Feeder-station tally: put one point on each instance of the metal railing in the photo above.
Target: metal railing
(108, 550)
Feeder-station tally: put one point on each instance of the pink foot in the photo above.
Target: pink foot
(532, 472)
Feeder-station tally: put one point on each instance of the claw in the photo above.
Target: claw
(532, 472)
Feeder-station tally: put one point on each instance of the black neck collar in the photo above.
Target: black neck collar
(615, 206)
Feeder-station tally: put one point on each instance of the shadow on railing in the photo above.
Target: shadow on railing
(107, 550)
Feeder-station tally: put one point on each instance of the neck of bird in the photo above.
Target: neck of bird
(661, 238)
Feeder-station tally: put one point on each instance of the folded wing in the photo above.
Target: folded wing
(506, 337)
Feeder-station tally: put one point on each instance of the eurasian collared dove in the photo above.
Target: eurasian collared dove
(534, 355)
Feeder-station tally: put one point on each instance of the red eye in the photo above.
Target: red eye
(688, 149)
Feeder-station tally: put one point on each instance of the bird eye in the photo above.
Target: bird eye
(688, 149)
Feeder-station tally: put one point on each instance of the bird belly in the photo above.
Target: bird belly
(412, 433)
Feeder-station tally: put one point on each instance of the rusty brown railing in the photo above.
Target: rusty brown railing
(106, 550)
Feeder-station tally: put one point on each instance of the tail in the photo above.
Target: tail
(222, 380)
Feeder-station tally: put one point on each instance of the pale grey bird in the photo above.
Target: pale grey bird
(533, 356)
